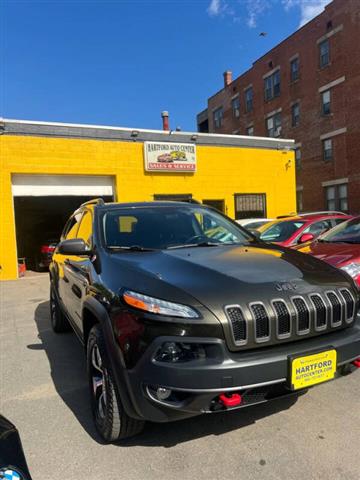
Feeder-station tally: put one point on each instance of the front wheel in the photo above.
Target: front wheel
(111, 420)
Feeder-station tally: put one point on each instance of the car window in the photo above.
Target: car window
(318, 227)
(347, 232)
(71, 227)
(85, 228)
(281, 231)
(337, 221)
(164, 227)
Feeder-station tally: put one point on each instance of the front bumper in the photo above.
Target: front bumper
(259, 375)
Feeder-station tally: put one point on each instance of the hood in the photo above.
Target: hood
(218, 276)
(337, 254)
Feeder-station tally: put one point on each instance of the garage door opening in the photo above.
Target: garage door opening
(39, 222)
(43, 203)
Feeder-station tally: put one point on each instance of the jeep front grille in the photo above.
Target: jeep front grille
(238, 324)
(262, 322)
(350, 305)
(320, 311)
(280, 319)
(283, 318)
(302, 315)
(336, 309)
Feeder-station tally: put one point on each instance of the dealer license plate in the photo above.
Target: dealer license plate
(313, 369)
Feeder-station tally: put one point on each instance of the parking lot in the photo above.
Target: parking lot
(44, 392)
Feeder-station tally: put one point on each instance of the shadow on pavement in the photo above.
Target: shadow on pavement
(67, 366)
(68, 372)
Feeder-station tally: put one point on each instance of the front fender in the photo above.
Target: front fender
(100, 314)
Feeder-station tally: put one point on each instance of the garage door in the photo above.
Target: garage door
(60, 185)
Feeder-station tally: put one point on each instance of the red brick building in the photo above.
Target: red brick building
(306, 88)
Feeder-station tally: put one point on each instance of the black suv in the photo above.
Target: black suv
(181, 312)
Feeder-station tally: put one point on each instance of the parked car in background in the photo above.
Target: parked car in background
(294, 230)
(183, 312)
(340, 247)
(253, 223)
(44, 254)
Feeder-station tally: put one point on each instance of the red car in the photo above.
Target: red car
(291, 231)
(340, 247)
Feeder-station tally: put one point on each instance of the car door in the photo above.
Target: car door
(60, 261)
(78, 270)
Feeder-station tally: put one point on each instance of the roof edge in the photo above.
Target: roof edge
(108, 132)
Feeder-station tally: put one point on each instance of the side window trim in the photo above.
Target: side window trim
(68, 223)
(84, 212)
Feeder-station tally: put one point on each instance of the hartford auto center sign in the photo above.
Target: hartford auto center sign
(169, 157)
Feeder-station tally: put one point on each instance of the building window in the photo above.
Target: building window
(250, 205)
(295, 114)
(299, 200)
(273, 125)
(218, 117)
(249, 96)
(324, 51)
(250, 131)
(325, 103)
(336, 198)
(327, 149)
(294, 69)
(235, 107)
(298, 158)
(272, 86)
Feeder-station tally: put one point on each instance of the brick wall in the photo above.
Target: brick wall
(340, 22)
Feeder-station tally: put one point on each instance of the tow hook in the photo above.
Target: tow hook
(233, 399)
(356, 363)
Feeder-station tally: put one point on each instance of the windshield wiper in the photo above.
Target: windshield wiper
(201, 244)
(131, 248)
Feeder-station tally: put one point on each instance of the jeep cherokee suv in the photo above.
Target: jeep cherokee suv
(181, 311)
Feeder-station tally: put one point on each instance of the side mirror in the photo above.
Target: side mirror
(73, 246)
(306, 237)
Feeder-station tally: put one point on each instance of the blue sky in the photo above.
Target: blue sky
(121, 62)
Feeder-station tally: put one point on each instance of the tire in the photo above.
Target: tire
(110, 419)
(59, 322)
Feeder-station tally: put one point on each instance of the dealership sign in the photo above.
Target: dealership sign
(169, 157)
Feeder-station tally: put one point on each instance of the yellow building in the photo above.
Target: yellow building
(48, 169)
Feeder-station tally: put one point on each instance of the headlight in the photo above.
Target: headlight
(155, 305)
(353, 269)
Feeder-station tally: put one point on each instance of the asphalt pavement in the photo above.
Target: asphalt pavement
(43, 390)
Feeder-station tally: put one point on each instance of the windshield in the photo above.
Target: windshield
(169, 227)
(347, 232)
(281, 231)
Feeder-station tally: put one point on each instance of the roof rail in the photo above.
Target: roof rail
(94, 201)
(321, 212)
